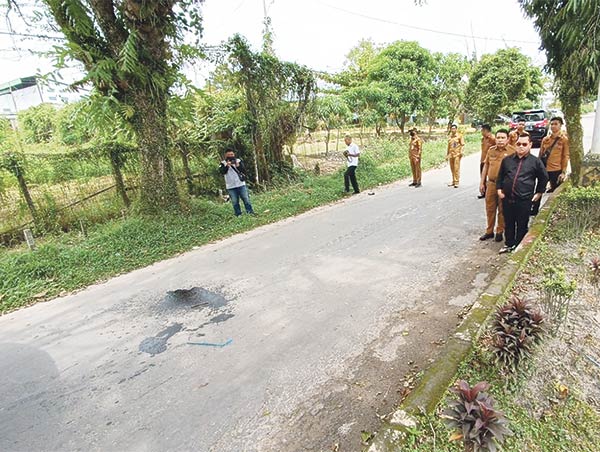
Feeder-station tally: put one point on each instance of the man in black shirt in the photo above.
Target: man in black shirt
(521, 181)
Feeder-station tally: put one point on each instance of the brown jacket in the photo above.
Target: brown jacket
(486, 144)
(494, 158)
(559, 156)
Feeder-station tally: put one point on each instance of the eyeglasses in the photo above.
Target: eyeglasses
(522, 144)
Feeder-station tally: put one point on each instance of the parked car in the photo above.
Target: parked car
(499, 120)
(537, 123)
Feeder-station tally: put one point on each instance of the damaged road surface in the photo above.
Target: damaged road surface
(295, 336)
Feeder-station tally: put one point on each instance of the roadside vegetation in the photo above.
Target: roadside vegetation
(540, 357)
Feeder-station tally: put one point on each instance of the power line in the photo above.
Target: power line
(448, 33)
(26, 35)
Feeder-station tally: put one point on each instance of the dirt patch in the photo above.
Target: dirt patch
(570, 360)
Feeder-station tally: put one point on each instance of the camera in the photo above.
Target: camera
(231, 159)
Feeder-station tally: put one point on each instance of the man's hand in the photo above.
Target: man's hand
(536, 197)
(482, 188)
(562, 177)
(501, 194)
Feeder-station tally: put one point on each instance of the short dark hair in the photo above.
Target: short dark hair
(504, 131)
(521, 119)
(523, 135)
(557, 118)
(486, 127)
(228, 150)
(454, 125)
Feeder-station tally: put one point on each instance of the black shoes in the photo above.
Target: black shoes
(486, 236)
(418, 184)
(499, 237)
(412, 185)
(506, 249)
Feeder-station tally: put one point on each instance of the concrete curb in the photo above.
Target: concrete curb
(441, 374)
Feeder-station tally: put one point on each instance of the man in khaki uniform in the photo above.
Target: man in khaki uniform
(414, 154)
(554, 153)
(493, 204)
(456, 145)
(487, 141)
(515, 134)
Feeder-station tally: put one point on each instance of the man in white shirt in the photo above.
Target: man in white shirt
(351, 153)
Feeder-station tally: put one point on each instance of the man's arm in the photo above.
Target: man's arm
(500, 178)
(484, 173)
(355, 152)
(224, 167)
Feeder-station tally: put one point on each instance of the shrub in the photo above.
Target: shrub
(579, 211)
(473, 416)
(517, 326)
(557, 292)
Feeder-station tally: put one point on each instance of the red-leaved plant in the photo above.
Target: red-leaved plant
(516, 327)
(474, 419)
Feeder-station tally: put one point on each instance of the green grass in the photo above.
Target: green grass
(69, 261)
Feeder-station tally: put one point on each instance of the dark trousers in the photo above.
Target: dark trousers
(350, 177)
(554, 183)
(553, 177)
(516, 219)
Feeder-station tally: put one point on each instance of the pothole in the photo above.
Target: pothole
(195, 298)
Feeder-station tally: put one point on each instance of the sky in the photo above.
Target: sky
(320, 33)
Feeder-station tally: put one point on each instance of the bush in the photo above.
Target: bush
(478, 423)
(579, 211)
(38, 123)
(517, 326)
(557, 292)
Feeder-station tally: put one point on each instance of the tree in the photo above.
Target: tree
(332, 112)
(570, 34)
(499, 81)
(357, 64)
(277, 95)
(38, 123)
(131, 51)
(405, 71)
(449, 86)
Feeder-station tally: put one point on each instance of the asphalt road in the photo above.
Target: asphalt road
(294, 336)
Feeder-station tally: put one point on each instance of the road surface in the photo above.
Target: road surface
(294, 336)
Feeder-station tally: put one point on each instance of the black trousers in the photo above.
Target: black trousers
(553, 177)
(516, 219)
(350, 177)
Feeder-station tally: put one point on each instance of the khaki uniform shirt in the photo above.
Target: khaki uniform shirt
(513, 136)
(486, 144)
(559, 157)
(494, 158)
(415, 147)
(455, 145)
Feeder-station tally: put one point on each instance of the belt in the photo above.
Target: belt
(493, 181)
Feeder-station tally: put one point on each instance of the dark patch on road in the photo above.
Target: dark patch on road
(158, 344)
(194, 298)
(220, 318)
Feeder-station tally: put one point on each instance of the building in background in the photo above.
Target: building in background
(20, 94)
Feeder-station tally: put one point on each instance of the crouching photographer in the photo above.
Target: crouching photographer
(235, 182)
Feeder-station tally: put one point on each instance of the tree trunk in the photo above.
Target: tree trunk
(327, 142)
(116, 162)
(189, 180)
(337, 141)
(25, 192)
(572, 109)
(158, 188)
(403, 123)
